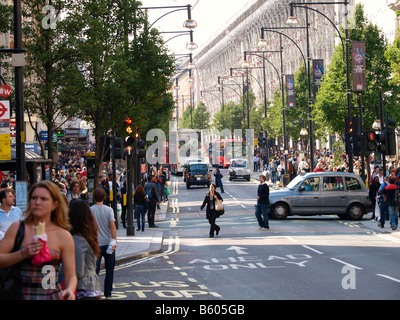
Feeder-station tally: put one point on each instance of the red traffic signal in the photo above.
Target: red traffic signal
(128, 121)
(370, 143)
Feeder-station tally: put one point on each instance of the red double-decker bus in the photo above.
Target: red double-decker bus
(221, 151)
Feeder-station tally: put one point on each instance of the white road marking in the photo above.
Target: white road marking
(347, 264)
(387, 277)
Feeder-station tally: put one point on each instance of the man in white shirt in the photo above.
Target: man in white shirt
(8, 213)
(302, 166)
(107, 231)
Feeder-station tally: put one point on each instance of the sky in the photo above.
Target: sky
(210, 15)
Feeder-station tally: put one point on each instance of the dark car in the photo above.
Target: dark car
(185, 166)
(198, 173)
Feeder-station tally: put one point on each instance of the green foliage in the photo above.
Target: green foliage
(231, 118)
(392, 54)
(199, 115)
(331, 103)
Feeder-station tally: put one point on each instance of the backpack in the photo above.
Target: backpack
(148, 192)
(396, 198)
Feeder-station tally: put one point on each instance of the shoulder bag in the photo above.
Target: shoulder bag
(10, 278)
(219, 207)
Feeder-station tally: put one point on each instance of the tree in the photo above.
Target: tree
(392, 54)
(330, 105)
(187, 118)
(201, 117)
(44, 72)
(231, 118)
(121, 68)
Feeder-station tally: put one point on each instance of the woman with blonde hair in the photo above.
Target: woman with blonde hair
(45, 205)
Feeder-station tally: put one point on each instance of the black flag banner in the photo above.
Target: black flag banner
(290, 91)
(358, 59)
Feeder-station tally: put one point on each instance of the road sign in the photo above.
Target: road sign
(5, 117)
(5, 147)
(5, 91)
(128, 150)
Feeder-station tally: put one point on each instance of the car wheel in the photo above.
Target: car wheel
(355, 211)
(280, 211)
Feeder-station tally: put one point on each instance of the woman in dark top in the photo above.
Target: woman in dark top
(123, 204)
(218, 180)
(140, 205)
(373, 194)
(211, 213)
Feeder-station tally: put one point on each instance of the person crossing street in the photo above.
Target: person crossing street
(262, 204)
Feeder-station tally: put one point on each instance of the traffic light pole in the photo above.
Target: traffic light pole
(382, 129)
(130, 229)
(363, 151)
(114, 181)
(135, 163)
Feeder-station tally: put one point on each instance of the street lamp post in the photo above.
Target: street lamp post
(263, 44)
(19, 91)
(256, 53)
(246, 66)
(189, 23)
(294, 21)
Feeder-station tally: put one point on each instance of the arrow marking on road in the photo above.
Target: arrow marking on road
(239, 250)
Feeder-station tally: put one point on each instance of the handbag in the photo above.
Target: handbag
(218, 205)
(10, 277)
(377, 211)
(167, 191)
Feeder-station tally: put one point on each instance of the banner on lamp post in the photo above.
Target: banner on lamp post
(318, 72)
(358, 63)
(290, 91)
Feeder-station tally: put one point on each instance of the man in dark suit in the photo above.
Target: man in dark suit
(262, 204)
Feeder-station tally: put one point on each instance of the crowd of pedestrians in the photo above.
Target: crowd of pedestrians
(78, 235)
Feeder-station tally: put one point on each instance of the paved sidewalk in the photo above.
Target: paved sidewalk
(142, 244)
(387, 230)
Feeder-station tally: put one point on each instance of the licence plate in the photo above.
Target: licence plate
(198, 178)
(198, 175)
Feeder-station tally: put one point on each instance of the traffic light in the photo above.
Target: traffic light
(348, 130)
(387, 138)
(391, 142)
(260, 139)
(128, 126)
(369, 141)
(390, 136)
(129, 141)
(352, 135)
(359, 146)
(141, 152)
(381, 141)
(119, 151)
